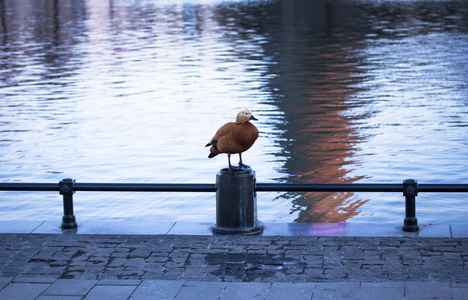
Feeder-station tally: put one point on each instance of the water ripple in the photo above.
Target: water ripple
(122, 91)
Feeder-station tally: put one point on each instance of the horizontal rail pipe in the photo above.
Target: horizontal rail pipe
(67, 187)
(442, 188)
(145, 187)
(328, 187)
(260, 187)
(25, 186)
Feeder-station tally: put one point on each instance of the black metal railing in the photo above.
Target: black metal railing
(67, 187)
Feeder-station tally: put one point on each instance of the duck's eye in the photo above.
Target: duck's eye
(246, 114)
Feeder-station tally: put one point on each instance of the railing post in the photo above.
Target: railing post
(410, 191)
(67, 189)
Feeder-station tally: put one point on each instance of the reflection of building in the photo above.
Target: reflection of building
(313, 54)
(314, 77)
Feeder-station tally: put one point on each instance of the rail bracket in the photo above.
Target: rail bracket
(410, 188)
(67, 186)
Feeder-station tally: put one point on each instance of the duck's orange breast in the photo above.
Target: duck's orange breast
(245, 134)
(236, 138)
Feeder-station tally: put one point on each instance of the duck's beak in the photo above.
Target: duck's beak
(253, 118)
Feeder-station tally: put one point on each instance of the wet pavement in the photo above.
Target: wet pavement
(299, 264)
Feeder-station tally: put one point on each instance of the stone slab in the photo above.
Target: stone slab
(191, 228)
(29, 279)
(201, 290)
(459, 293)
(119, 282)
(245, 290)
(459, 230)
(23, 291)
(379, 292)
(428, 290)
(336, 290)
(107, 292)
(286, 229)
(59, 298)
(102, 227)
(376, 230)
(18, 226)
(66, 287)
(351, 229)
(293, 291)
(157, 289)
(4, 281)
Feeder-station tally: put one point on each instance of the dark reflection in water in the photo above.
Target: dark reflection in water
(317, 49)
(345, 91)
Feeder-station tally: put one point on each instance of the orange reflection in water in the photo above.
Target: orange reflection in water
(328, 206)
(321, 141)
(318, 140)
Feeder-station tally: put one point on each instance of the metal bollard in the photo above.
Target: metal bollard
(236, 202)
(410, 191)
(66, 188)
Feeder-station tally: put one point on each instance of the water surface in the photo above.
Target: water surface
(131, 91)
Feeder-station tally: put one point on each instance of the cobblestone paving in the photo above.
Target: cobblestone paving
(234, 258)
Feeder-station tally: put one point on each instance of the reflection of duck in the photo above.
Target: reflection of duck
(234, 137)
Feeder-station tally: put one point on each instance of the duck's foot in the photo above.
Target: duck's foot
(238, 168)
(243, 167)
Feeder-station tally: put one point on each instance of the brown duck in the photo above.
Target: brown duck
(234, 137)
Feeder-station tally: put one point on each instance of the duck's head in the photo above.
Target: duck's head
(244, 116)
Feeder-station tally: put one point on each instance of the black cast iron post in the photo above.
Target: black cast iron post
(410, 191)
(67, 189)
(236, 202)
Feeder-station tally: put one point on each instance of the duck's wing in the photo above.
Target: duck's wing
(222, 132)
(224, 137)
(221, 138)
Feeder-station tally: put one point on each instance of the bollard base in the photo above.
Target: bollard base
(236, 202)
(258, 228)
(410, 225)
(69, 222)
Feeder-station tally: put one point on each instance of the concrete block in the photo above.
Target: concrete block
(111, 292)
(376, 230)
(28, 279)
(19, 226)
(191, 228)
(23, 291)
(285, 229)
(67, 287)
(201, 290)
(157, 289)
(460, 293)
(245, 290)
(336, 290)
(59, 298)
(387, 284)
(428, 290)
(293, 291)
(118, 282)
(377, 292)
(4, 281)
(459, 230)
(108, 227)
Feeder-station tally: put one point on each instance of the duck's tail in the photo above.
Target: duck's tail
(213, 150)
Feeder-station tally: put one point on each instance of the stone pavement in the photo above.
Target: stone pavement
(165, 266)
